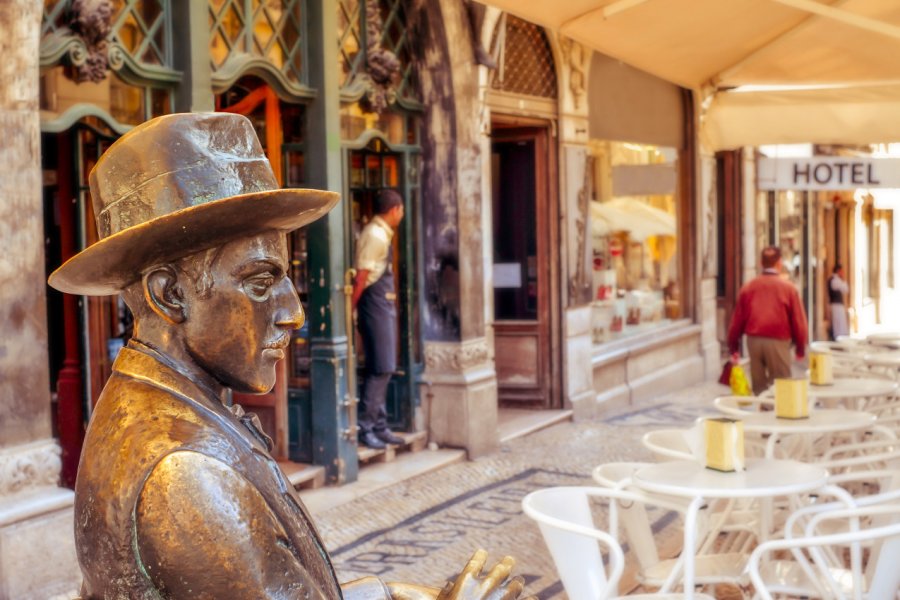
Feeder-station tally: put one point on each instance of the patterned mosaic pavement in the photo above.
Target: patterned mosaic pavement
(425, 529)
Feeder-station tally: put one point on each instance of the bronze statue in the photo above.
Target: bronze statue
(177, 495)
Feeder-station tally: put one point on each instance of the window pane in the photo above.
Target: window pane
(634, 237)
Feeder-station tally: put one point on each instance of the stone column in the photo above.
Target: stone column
(37, 547)
(575, 184)
(707, 235)
(460, 396)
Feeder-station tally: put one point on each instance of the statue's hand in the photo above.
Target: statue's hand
(496, 585)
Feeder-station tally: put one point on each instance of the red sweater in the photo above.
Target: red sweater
(768, 307)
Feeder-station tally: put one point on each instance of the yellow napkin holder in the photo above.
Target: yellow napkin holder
(821, 368)
(724, 444)
(791, 398)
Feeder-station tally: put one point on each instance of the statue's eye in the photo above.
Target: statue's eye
(258, 285)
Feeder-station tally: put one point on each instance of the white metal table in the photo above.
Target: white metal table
(852, 387)
(887, 361)
(820, 421)
(762, 479)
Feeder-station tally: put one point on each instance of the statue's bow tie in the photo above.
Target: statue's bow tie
(251, 422)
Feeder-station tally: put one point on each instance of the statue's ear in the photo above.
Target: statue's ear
(164, 295)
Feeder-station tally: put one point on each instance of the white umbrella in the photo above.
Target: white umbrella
(610, 217)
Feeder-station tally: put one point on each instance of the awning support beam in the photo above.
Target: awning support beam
(607, 11)
(725, 73)
(844, 16)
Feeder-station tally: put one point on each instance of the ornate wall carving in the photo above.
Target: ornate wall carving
(456, 357)
(29, 466)
(577, 60)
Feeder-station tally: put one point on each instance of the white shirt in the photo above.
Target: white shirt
(372, 249)
(839, 285)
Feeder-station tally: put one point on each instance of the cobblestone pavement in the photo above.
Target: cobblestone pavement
(425, 529)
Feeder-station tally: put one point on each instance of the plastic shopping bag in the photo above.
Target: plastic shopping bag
(738, 381)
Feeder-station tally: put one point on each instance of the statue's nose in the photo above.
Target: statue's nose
(290, 315)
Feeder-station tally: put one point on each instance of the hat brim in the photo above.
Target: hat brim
(112, 263)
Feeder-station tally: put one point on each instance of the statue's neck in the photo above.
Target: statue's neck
(178, 359)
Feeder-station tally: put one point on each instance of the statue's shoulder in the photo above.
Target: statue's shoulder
(203, 530)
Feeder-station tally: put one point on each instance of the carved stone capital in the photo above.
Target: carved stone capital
(456, 357)
(29, 466)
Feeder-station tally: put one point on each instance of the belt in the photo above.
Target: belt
(390, 296)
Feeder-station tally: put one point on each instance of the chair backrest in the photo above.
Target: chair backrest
(668, 444)
(616, 474)
(876, 525)
(564, 517)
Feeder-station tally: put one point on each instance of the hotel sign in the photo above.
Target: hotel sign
(827, 173)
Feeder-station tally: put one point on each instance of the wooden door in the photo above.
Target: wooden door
(526, 256)
(729, 228)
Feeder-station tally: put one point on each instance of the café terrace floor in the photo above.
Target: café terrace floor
(424, 529)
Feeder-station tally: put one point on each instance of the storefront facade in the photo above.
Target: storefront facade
(103, 72)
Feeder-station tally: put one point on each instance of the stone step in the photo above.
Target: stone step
(412, 442)
(303, 476)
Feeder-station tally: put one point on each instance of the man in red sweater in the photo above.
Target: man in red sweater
(770, 312)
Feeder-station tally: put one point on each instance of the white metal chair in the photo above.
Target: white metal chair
(668, 444)
(566, 521)
(819, 569)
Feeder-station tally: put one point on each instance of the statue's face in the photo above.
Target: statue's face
(243, 326)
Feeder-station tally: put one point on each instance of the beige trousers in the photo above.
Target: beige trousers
(769, 358)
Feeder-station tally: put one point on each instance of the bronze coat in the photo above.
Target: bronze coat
(176, 498)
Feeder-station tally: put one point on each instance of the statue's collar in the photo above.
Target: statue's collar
(139, 361)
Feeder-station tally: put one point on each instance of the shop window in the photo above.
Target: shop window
(634, 237)
(387, 19)
(139, 33)
(526, 60)
(126, 103)
(127, 78)
(246, 30)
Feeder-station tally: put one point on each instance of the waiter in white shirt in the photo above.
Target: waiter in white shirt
(374, 299)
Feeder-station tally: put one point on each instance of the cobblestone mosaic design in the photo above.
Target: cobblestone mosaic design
(425, 529)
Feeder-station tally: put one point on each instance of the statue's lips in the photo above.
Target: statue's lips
(273, 353)
(275, 348)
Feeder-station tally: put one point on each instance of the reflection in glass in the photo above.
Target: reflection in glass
(634, 238)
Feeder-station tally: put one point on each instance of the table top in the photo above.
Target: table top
(820, 420)
(888, 336)
(882, 359)
(762, 478)
(851, 387)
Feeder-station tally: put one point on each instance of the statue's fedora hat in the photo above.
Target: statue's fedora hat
(176, 185)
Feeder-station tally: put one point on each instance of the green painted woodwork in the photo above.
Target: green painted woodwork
(327, 262)
(139, 42)
(264, 38)
(300, 443)
(353, 40)
(191, 29)
(360, 187)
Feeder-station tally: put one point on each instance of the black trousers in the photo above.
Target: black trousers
(378, 329)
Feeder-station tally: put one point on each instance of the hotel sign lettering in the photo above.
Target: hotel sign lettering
(827, 173)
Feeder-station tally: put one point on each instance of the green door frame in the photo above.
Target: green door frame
(403, 393)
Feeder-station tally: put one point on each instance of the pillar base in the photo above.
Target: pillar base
(461, 393)
(37, 545)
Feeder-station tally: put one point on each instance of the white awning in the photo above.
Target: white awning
(630, 215)
(843, 53)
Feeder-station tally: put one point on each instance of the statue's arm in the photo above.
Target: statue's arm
(203, 531)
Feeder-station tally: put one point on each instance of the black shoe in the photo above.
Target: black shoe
(389, 437)
(371, 440)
